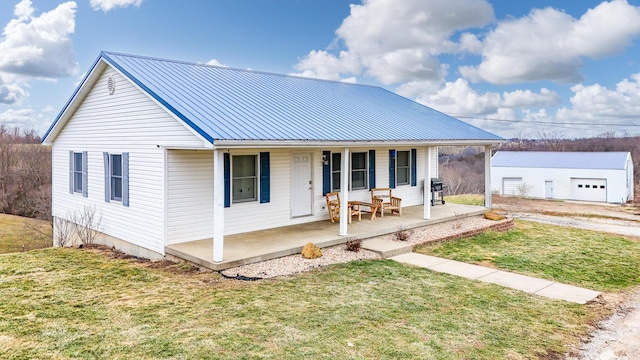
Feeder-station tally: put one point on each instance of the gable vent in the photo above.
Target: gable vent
(111, 85)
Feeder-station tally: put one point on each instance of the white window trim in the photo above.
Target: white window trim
(256, 179)
(112, 177)
(335, 187)
(408, 167)
(365, 170)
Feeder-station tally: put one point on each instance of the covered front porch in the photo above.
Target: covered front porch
(256, 246)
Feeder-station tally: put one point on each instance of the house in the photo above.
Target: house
(587, 176)
(170, 151)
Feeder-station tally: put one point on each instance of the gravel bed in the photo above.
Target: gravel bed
(293, 264)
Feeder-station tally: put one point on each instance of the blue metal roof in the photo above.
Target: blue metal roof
(565, 160)
(222, 103)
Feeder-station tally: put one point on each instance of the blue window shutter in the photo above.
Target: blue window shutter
(265, 178)
(414, 172)
(85, 174)
(372, 169)
(125, 178)
(71, 172)
(392, 169)
(326, 172)
(227, 179)
(107, 178)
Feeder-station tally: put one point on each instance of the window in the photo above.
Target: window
(336, 163)
(358, 170)
(244, 178)
(77, 172)
(403, 168)
(116, 177)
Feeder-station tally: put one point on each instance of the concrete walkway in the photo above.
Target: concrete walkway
(528, 284)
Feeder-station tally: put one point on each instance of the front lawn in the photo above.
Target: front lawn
(589, 259)
(69, 303)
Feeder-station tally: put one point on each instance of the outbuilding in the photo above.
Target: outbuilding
(586, 176)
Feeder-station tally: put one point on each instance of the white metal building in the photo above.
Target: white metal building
(586, 176)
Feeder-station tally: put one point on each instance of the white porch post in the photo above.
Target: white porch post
(487, 176)
(218, 205)
(344, 193)
(427, 183)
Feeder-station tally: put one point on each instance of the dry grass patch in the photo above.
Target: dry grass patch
(23, 234)
(465, 199)
(66, 303)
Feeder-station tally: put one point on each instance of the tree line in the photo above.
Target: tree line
(25, 174)
(25, 166)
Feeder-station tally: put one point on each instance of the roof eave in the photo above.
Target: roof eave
(352, 143)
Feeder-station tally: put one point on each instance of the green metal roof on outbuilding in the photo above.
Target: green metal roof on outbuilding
(222, 103)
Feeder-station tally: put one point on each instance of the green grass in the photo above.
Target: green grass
(66, 303)
(23, 234)
(465, 199)
(583, 258)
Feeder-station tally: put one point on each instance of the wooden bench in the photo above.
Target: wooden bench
(387, 201)
(333, 206)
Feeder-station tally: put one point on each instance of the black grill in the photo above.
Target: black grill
(436, 184)
(437, 188)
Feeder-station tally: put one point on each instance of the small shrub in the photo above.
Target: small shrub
(402, 234)
(354, 245)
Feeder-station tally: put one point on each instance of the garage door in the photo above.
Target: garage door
(589, 189)
(511, 186)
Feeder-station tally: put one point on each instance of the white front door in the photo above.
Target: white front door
(301, 184)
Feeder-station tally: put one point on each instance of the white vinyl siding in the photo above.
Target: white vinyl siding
(127, 121)
(189, 195)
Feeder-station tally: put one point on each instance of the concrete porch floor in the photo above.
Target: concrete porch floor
(256, 246)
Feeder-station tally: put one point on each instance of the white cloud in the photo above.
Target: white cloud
(323, 65)
(549, 44)
(39, 46)
(11, 93)
(397, 41)
(106, 5)
(527, 98)
(458, 98)
(18, 118)
(601, 105)
(215, 62)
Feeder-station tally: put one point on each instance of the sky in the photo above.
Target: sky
(525, 69)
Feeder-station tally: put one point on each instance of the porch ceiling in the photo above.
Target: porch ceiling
(256, 246)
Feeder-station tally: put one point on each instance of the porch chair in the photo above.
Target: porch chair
(385, 197)
(333, 206)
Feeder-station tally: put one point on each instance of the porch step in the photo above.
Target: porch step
(386, 248)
